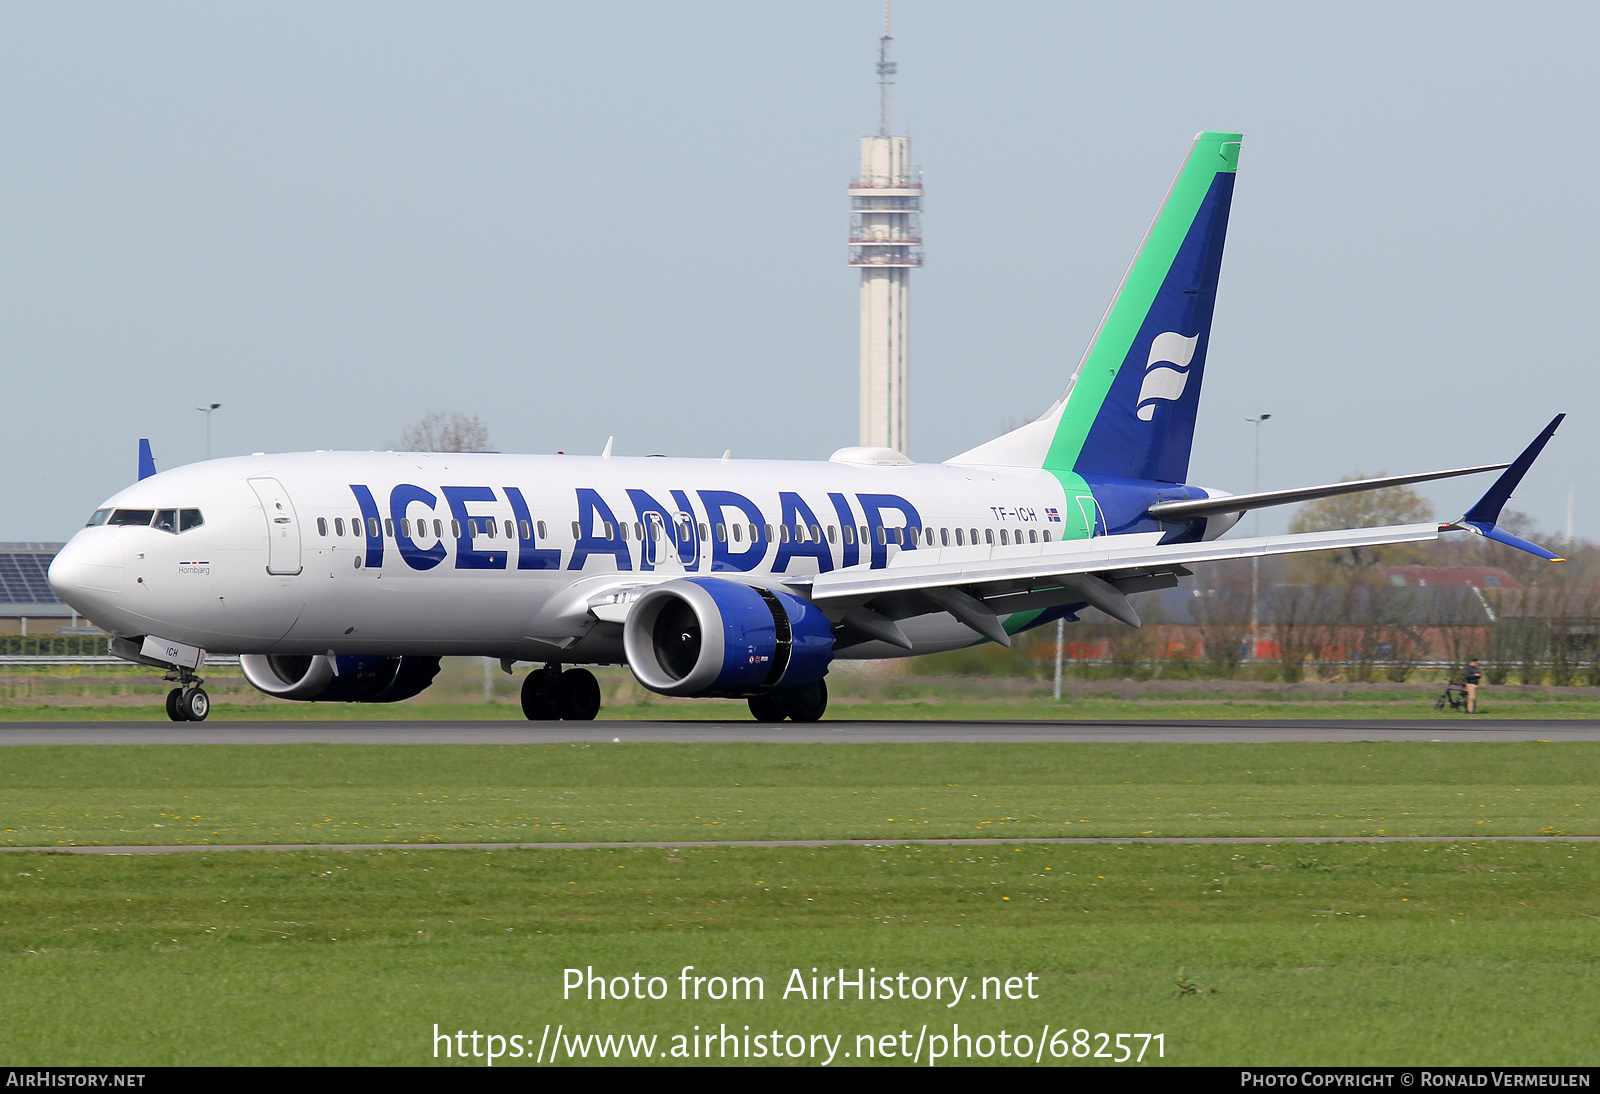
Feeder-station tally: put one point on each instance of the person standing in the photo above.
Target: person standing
(1472, 679)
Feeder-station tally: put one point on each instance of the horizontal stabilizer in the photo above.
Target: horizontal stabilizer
(1240, 503)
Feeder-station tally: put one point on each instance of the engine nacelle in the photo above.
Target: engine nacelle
(340, 679)
(708, 636)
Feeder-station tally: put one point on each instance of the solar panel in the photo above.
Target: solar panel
(23, 578)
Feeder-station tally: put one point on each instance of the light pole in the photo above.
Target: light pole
(1255, 561)
(207, 411)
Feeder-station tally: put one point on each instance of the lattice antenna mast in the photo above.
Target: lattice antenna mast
(886, 70)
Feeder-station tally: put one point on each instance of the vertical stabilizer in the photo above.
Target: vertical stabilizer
(1129, 409)
(147, 459)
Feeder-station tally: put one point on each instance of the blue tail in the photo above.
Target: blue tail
(147, 459)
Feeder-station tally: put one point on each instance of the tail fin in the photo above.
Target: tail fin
(147, 459)
(1129, 410)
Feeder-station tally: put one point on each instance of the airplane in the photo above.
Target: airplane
(346, 576)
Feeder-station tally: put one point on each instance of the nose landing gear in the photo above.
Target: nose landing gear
(550, 695)
(188, 702)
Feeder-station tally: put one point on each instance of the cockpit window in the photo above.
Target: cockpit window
(167, 520)
(132, 516)
(99, 516)
(189, 518)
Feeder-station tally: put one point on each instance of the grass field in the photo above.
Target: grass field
(532, 793)
(1459, 952)
(468, 689)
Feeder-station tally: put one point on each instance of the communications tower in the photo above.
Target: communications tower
(886, 243)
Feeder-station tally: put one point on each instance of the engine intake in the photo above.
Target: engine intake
(708, 636)
(358, 679)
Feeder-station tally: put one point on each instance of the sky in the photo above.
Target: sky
(586, 220)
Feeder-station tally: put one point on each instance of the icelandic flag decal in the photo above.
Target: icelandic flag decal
(1053, 516)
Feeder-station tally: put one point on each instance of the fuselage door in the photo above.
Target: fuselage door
(1093, 519)
(283, 530)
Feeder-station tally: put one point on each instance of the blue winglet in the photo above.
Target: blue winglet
(147, 459)
(1483, 518)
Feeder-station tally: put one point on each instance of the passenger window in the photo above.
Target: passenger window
(611, 532)
(883, 536)
(405, 527)
(850, 534)
(655, 532)
(944, 537)
(738, 533)
(388, 527)
(623, 528)
(703, 534)
(132, 517)
(99, 516)
(525, 529)
(373, 528)
(455, 529)
(769, 534)
(722, 533)
(488, 526)
(863, 533)
(322, 526)
(816, 534)
(960, 539)
(988, 536)
(755, 533)
(577, 533)
(1003, 538)
(167, 520)
(783, 533)
(831, 537)
(542, 533)
(638, 532)
(1033, 536)
(1046, 534)
(338, 526)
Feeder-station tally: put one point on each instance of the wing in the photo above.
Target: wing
(979, 585)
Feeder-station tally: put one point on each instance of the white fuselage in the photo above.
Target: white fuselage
(409, 553)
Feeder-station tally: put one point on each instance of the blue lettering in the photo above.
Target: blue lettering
(369, 521)
(799, 518)
(400, 499)
(688, 546)
(530, 556)
(467, 557)
(594, 517)
(723, 558)
(644, 505)
(873, 505)
(849, 550)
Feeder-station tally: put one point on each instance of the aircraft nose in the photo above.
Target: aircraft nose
(87, 573)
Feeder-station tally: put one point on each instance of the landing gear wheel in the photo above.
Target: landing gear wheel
(578, 695)
(537, 697)
(196, 704)
(768, 708)
(175, 705)
(808, 704)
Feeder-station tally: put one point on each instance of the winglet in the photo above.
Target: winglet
(147, 459)
(1483, 518)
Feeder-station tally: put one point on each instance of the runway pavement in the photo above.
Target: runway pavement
(1190, 731)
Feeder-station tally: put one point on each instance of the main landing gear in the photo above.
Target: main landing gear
(188, 702)
(805, 705)
(549, 695)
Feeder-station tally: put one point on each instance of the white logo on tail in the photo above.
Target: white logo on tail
(1168, 348)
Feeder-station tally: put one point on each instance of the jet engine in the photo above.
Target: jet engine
(708, 636)
(339, 679)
